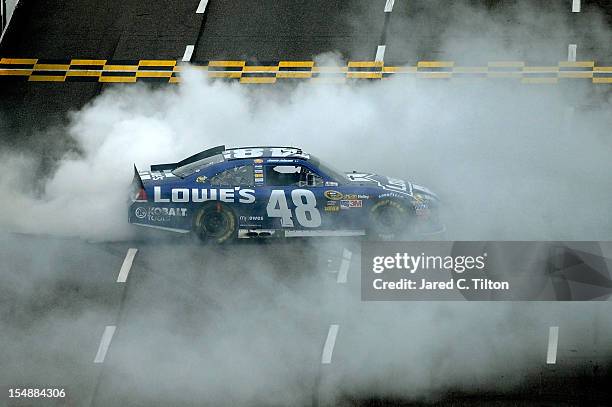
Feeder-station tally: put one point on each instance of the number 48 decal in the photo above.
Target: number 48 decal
(305, 203)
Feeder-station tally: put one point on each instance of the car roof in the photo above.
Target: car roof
(237, 153)
(240, 153)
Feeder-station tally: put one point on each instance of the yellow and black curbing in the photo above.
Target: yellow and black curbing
(169, 71)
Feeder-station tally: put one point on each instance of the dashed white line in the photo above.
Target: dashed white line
(389, 6)
(107, 336)
(202, 7)
(344, 266)
(380, 53)
(330, 342)
(575, 6)
(7, 17)
(553, 341)
(571, 52)
(126, 266)
(188, 53)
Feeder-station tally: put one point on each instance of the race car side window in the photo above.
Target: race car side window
(238, 176)
(291, 175)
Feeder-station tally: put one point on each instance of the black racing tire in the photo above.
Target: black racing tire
(215, 223)
(389, 220)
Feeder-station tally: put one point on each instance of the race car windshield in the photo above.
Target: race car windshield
(329, 171)
(188, 169)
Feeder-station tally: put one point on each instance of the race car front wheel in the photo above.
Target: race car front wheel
(215, 223)
(389, 220)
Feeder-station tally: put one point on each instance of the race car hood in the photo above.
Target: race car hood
(391, 184)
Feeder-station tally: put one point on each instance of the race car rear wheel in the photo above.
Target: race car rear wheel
(215, 223)
(389, 220)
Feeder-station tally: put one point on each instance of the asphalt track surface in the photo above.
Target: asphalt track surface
(267, 30)
(263, 31)
(187, 315)
(142, 358)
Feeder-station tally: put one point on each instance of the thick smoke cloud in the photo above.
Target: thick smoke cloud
(515, 162)
(509, 161)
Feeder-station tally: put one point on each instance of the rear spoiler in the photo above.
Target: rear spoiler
(138, 190)
(196, 157)
(137, 181)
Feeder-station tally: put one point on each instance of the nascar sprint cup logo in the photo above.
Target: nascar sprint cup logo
(157, 214)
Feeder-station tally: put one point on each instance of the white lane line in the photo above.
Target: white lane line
(202, 7)
(571, 52)
(127, 265)
(328, 348)
(553, 341)
(344, 266)
(575, 6)
(7, 17)
(389, 6)
(380, 53)
(188, 53)
(107, 336)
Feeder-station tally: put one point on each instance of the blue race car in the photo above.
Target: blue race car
(221, 194)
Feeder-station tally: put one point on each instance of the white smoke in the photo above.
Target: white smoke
(513, 162)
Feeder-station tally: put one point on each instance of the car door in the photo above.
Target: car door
(294, 197)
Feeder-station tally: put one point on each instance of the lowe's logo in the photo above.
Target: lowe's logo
(206, 194)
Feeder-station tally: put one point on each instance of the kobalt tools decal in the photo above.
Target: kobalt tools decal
(206, 194)
(157, 214)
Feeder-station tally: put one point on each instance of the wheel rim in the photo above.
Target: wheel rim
(388, 218)
(215, 223)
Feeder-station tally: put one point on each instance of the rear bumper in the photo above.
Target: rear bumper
(168, 217)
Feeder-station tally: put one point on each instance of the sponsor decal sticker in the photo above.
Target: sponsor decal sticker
(332, 208)
(158, 214)
(391, 195)
(243, 217)
(201, 179)
(356, 196)
(258, 161)
(182, 195)
(351, 203)
(247, 220)
(140, 212)
(333, 195)
(332, 203)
